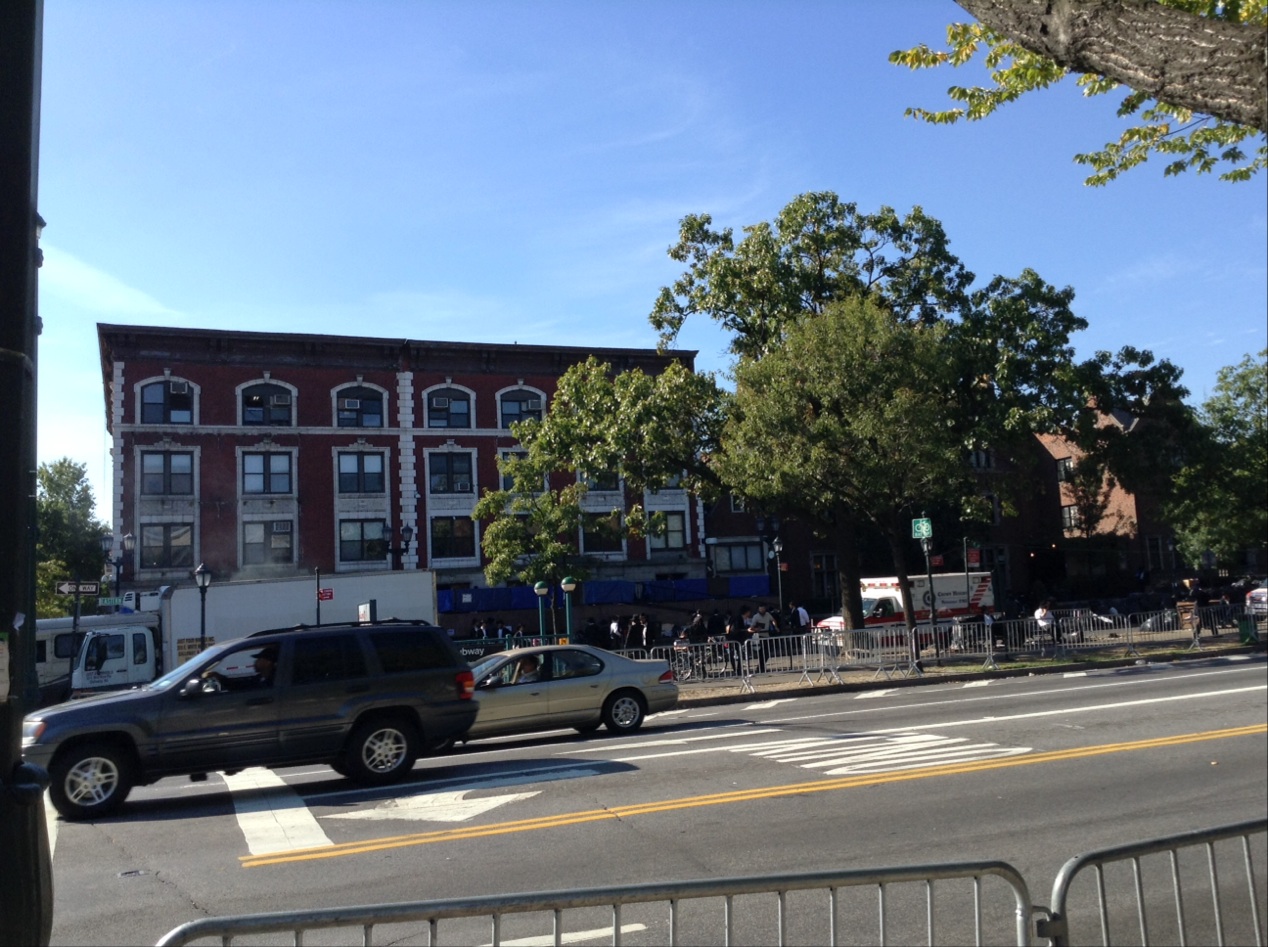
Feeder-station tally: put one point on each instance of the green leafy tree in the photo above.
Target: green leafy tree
(1193, 71)
(852, 419)
(642, 428)
(797, 294)
(1220, 503)
(48, 603)
(67, 529)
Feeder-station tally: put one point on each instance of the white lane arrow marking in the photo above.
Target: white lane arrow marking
(433, 807)
(271, 815)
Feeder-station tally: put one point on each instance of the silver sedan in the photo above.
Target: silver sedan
(555, 686)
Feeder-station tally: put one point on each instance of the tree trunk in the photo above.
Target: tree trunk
(897, 549)
(849, 575)
(1213, 67)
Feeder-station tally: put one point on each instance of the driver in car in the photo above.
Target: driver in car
(528, 670)
(265, 665)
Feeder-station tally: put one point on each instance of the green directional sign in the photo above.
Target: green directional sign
(922, 528)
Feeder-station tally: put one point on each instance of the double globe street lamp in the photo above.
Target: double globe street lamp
(126, 544)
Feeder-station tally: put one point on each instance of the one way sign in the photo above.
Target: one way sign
(80, 588)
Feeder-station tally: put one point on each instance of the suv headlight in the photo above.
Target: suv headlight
(32, 730)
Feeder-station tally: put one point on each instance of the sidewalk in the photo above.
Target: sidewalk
(786, 684)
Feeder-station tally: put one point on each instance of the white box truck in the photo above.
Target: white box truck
(119, 656)
(959, 596)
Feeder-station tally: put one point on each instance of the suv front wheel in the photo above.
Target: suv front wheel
(90, 780)
(380, 751)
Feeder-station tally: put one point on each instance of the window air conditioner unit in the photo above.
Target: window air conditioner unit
(533, 404)
(440, 402)
(280, 400)
(282, 526)
(178, 387)
(349, 404)
(462, 486)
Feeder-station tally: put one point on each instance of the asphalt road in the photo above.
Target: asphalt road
(1029, 770)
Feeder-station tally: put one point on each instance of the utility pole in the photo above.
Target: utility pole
(26, 894)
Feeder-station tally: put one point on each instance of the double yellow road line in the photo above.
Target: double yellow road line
(739, 795)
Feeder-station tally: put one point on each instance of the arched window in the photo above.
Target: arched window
(359, 406)
(520, 404)
(170, 401)
(448, 407)
(267, 404)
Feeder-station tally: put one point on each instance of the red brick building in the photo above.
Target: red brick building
(266, 454)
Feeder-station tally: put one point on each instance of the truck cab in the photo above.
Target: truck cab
(114, 659)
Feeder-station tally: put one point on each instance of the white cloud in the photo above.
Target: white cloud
(72, 280)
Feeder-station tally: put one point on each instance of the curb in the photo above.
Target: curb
(704, 695)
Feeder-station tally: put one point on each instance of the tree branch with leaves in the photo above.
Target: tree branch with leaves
(1194, 71)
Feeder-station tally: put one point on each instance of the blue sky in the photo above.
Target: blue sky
(514, 172)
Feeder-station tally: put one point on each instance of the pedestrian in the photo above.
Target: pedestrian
(1046, 622)
(736, 638)
(761, 627)
(697, 631)
(591, 634)
(800, 618)
(634, 633)
(717, 624)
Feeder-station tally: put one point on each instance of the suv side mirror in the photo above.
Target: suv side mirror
(192, 688)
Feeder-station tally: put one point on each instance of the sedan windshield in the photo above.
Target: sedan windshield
(486, 667)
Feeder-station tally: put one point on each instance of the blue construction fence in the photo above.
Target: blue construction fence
(601, 592)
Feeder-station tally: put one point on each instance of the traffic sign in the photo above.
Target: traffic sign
(325, 595)
(936, 560)
(922, 528)
(973, 556)
(78, 588)
(109, 601)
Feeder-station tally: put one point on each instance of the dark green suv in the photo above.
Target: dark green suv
(365, 699)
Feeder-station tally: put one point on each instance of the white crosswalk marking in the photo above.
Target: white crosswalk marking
(271, 815)
(573, 937)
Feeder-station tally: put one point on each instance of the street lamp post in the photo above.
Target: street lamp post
(127, 544)
(778, 546)
(399, 552)
(541, 589)
(768, 533)
(202, 577)
(568, 584)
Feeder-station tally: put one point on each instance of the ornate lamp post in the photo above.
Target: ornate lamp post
(202, 577)
(542, 590)
(568, 585)
(399, 552)
(127, 544)
(778, 545)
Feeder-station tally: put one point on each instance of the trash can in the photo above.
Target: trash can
(1247, 633)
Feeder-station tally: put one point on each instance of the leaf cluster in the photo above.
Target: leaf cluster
(1193, 142)
(67, 529)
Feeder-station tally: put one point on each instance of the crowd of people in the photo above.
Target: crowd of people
(640, 631)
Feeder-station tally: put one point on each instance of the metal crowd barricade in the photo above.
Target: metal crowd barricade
(1166, 902)
(752, 909)
(822, 649)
